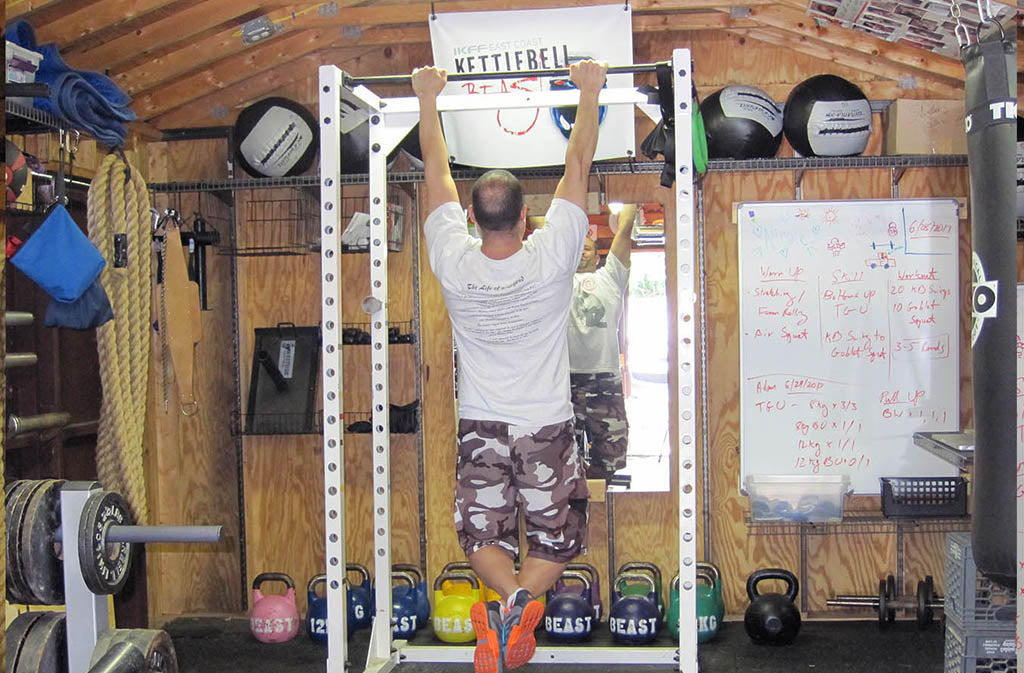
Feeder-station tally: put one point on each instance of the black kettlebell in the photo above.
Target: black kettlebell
(772, 619)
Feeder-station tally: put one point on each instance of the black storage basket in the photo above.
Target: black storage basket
(924, 496)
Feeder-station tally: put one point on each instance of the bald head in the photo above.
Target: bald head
(497, 201)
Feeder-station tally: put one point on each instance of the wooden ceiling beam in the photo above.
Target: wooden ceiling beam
(799, 23)
(848, 44)
(178, 27)
(228, 44)
(38, 12)
(155, 102)
(199, 112)
(380, 15)
(847, 58)
(99, 16)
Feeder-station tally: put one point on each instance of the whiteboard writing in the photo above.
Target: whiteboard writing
(849, 338)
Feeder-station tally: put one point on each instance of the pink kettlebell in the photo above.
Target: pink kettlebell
(274, 618)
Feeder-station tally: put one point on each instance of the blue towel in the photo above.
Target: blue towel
(92, 309)
(90, 101)
(59, 257)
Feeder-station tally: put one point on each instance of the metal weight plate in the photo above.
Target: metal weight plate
(890, 587)
(924, 611)
(15, 637)
(104, 565)
(14, 514)
(155, 645)
(883, 608)
(43, 646)
(41, 552)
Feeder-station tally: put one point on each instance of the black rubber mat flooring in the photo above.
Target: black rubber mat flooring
(211, 645)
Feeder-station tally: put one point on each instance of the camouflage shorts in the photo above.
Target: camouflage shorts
(503, 467)
(602, 431)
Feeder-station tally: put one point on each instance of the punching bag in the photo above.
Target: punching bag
(990, 92)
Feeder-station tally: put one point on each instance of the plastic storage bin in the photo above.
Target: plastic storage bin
(919, 497)
(973, 602)
(979, 651)
(812, 498)
(21, 67)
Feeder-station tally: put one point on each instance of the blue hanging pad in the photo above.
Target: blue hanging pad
(59, 257)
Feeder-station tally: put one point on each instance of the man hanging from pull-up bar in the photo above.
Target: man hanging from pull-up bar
(508, 300)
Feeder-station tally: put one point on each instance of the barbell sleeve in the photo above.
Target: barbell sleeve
(17, 425)
(15, 360)
(18, 318)
(122, 657)
(352, 81)
(157, 534)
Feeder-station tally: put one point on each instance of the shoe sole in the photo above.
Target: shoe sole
(521, 643)
(487, 657)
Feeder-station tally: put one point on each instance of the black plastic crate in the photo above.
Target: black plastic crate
(924, 496)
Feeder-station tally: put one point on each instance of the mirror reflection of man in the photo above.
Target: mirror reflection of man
(595, 371)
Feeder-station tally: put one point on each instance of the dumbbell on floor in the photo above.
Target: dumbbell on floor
(887, 602)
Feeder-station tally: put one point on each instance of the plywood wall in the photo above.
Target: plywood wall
(282, 476)
(192, 463)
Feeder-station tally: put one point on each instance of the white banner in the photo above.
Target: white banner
(471, 42)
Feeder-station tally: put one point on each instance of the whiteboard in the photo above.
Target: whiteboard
(849, 337)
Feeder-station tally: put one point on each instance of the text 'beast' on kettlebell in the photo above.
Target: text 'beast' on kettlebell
(274, 618)
(772, 619)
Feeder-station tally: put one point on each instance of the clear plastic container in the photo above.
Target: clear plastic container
(797, 498)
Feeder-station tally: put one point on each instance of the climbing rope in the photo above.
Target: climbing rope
(118, 207)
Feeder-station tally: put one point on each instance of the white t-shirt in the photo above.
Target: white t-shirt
(594, 318)
(509, 315)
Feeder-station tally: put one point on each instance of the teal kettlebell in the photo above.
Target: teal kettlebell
(710, 605)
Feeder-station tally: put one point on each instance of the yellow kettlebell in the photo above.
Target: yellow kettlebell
(451, 618)
(461, 587)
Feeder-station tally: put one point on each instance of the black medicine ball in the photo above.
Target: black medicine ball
(741, 122)
(276, 137)
(827, 116)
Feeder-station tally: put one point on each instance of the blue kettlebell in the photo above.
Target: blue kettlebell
(595, 588)
(403, 607)
(316, 614)
(422, 601)
(360, 603)
(634, 616)
(569, 615)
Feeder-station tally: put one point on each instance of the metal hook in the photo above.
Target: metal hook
(963, 38)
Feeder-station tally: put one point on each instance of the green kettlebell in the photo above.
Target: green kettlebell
(638, 589)
(710, 606)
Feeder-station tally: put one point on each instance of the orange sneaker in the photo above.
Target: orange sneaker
(487, 624)
(519, 622)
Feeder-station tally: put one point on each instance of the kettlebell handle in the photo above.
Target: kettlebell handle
(404, 576)
(272, 577)
(409, 568)
(456, 565)
(358, 568)
(474, 582)
(710, 572)
(575, 575)
(792, 584)
(587, 568)
(634, 577)
(647, 566)
(314, 580)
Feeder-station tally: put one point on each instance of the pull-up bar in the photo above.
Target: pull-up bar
(351, 81)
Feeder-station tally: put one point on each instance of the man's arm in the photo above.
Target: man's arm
(589, 77)
(622, 244)
(427, 83)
